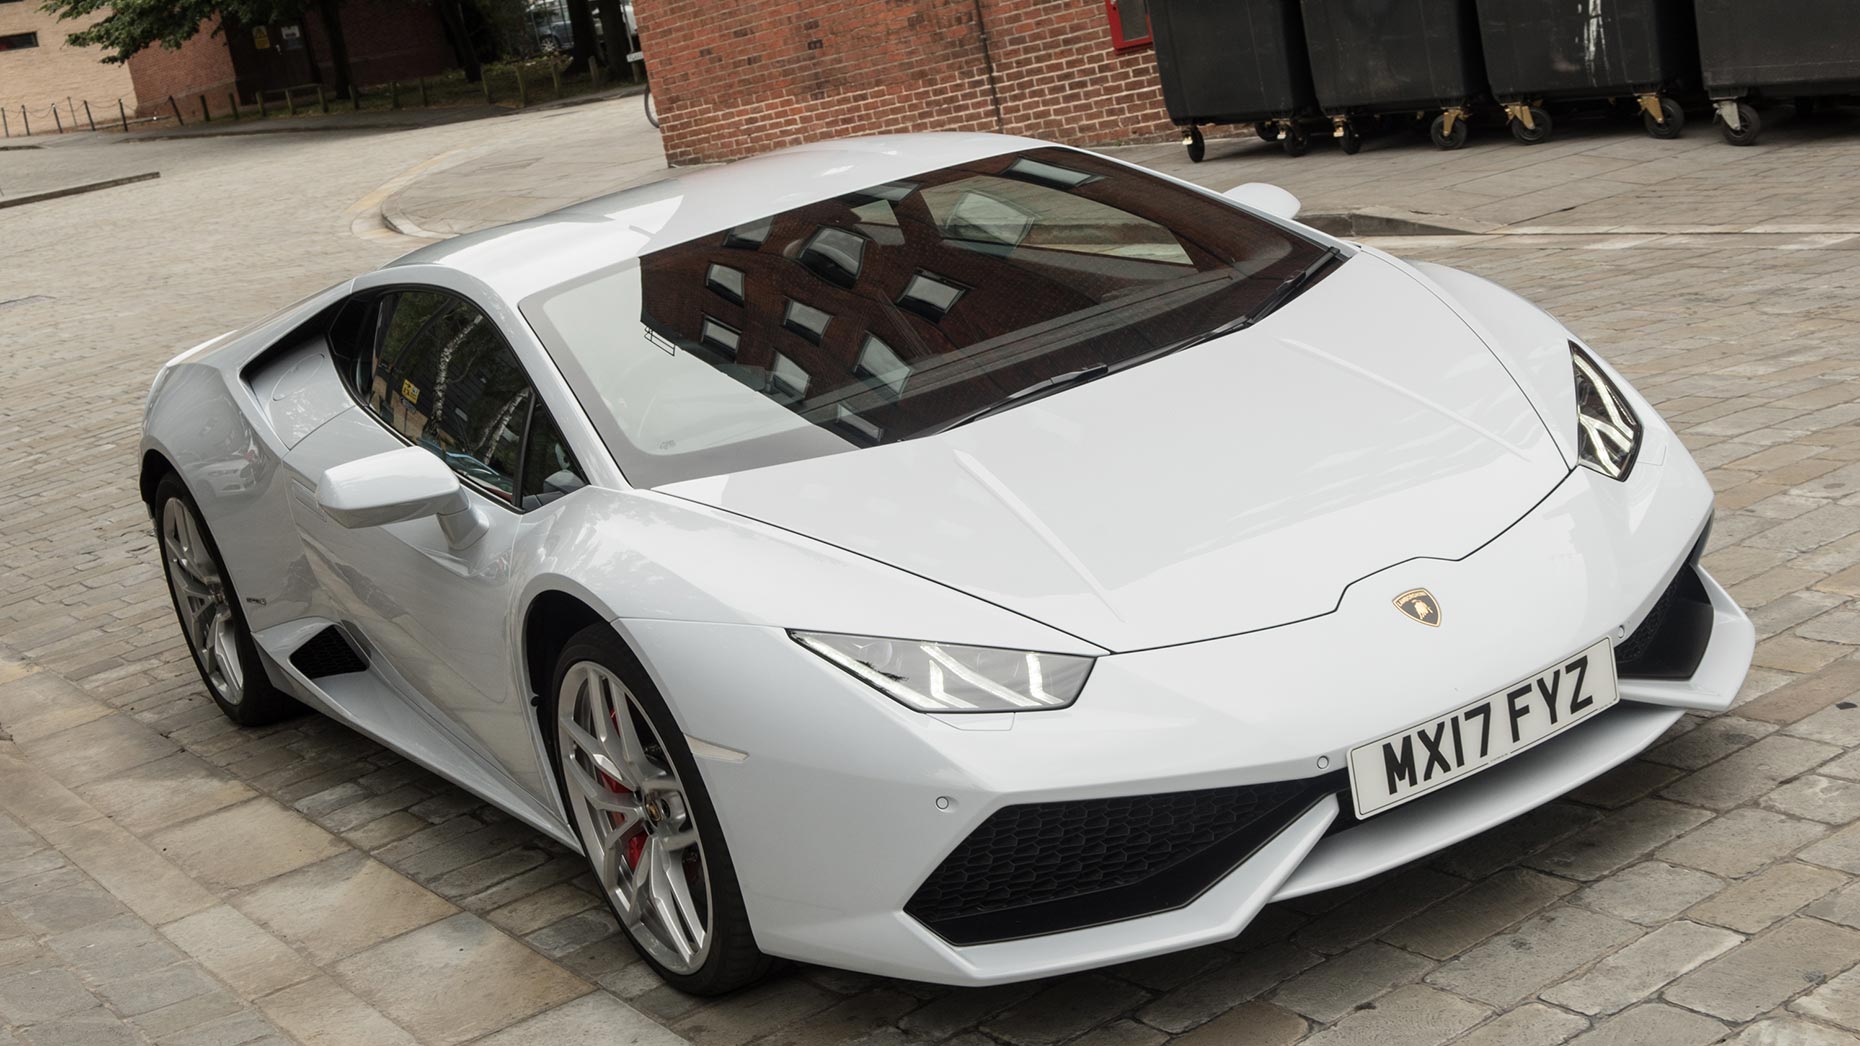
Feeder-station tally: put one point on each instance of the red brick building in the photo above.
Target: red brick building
(386, 39)
(733, 77)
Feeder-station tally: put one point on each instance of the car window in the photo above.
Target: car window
(549, 469)
(443, 377)
(894, 311)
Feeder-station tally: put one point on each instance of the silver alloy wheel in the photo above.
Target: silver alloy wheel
(633, 817)
(199, 589)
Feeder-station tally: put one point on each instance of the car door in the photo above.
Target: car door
(429, 369)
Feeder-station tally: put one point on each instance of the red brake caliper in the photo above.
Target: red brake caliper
(636, 843)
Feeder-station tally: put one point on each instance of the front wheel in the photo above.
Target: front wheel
(1349, 141)
(1437, 133)
(1196, 145)
(1747, 129)
(212, 620)
(645, 819)
(1295, 141)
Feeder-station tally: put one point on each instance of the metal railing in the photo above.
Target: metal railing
(519, 82)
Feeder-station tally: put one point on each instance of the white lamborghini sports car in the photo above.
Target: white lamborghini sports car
(955, 557)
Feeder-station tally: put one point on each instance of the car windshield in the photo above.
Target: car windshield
(903, 309)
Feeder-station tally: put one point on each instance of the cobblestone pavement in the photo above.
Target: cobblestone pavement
(166, 877)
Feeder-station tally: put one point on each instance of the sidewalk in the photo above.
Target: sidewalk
(1595, 178)
(148, 895)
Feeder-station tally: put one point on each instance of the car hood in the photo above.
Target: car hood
(1240, 484)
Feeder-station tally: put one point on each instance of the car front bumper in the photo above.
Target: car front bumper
(837, 803)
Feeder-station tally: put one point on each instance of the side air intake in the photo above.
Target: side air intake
(328, 653)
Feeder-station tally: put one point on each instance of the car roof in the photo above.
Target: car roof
(519, 259)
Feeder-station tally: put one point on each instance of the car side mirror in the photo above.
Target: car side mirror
(397, 486)
(1263, 197)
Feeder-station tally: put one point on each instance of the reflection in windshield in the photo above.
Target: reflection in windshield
(888, 313)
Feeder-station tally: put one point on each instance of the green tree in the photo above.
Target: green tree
(133, 25)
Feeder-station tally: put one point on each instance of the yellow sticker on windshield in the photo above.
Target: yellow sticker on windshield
(409, 392)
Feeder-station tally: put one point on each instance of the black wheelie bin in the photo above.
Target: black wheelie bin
(1234, 62)
(1800, 49)
(1537, 52)
(1377, 57)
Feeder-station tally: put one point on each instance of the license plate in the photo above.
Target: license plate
(1409, 764)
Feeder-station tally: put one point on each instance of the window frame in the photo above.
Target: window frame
(32, 44)
(1121, 43)
(371, 300)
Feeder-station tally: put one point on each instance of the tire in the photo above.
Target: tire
(1675, 120)
(1196, 145)
(1267, 131)
(595, 656)
(1538, 132)
(1745, 134)
(549, 44)
(1349, 141)
(229, 665)
(1437, 134)
(652, 108)
(1295, 141)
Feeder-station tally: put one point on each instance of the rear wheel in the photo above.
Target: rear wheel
(1539, 131)
(1349, 141)
(1437, 132)
(1672, 120)
(1295, 141)
(209, 611)
(645, 819)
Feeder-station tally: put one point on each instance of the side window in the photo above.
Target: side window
(550, 470)
(442, 377)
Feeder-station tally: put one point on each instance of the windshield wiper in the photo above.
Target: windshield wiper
(1287, 289)
(1043, 387)
(1293, 285)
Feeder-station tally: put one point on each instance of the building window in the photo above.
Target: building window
(725, 281)
(1130, 23)
(805, 320)
(18, 41)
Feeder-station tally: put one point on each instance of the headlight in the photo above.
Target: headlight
(940, 677)
(1607, 432)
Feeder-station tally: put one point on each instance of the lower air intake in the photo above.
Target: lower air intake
(327, 653)
(1041, 868)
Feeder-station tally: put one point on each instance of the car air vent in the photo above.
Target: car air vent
(328, 653)
(1671, 640)
(1041, 868)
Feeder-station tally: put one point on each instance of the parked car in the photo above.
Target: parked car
(983, 560)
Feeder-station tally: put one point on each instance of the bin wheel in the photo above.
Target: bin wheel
(1540, 132)
(1436, 131)
(1349, 141)
(1746, 133)
(1295, 141)
(1197, 145)
(1267, 131)
(1675, 120)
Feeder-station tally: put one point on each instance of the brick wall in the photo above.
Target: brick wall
(733, 77)
(54, 71)
(199, 66)
(387, 40)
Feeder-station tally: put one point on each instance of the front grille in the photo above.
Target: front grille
(327, 653)
(1045, 867)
